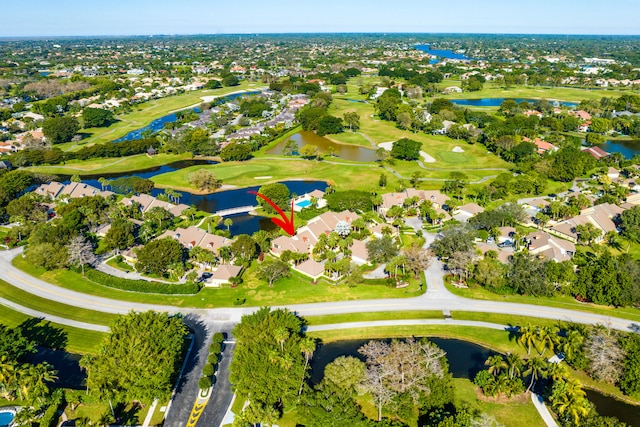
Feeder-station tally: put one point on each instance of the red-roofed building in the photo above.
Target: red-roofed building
(597, 152)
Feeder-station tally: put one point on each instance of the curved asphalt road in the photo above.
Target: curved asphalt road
(437, 297)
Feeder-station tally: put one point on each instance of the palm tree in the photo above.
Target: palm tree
(571, 344)
(568, 399)
(557, 371)
(547, 338)
(85, 364)
(496, 364)
(528, 337)
(514, 365)
(536, 367)
(228, 222)
(281, 334)
(307, 347)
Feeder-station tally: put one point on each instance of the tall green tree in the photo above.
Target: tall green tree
(268, 362)
(60, 129)
(139, 359)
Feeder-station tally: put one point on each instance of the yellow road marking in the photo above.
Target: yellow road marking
(196, 411)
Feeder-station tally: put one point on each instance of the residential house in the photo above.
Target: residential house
(52, 189)
(311, 268)
(188, 237)
(464, 212)
(596, 152)
(213, 242)
(437, 199)
(613, 173)
(307, 236)
(223, 275)
(359, 252)
(544, 245)
(600, 216)
(452, 89)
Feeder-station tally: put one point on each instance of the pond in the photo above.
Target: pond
(628, 148)
(158, 124)
(496, 102)
(610, 407)
(344, 151)
(465, 361)
(242, 223)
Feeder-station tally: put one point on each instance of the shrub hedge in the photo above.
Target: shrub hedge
(142, 286)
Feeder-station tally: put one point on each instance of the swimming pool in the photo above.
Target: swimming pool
(6, 417)
(301, 204)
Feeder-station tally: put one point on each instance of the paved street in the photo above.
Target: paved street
(436, 298)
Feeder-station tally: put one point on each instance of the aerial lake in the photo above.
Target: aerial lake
(495, 102)
(628, 148)
(344, 151)
(442, 53)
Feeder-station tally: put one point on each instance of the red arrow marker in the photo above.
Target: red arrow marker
(285, 223)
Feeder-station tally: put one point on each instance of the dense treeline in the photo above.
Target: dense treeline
(32, 157)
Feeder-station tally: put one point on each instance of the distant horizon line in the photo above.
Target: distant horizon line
(39, 37)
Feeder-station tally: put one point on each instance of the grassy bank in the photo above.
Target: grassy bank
(111, 165)
(561, 301)
(26, 299)
(77, 340)
(491, 90)
(296, 289)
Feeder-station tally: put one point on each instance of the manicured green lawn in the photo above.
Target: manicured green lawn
(516, 413)
(145, 113)
(110, 165)
(44, 305)
(291, 290)
(558, 301)
(329, 319)
(491, 90)
(78, 340)
(243, 174)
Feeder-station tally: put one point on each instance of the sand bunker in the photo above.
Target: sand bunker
(427, 158)
(457, 149)
(386, 145)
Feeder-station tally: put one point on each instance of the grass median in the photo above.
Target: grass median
(561, 301)
(78, 340)
(34, 302)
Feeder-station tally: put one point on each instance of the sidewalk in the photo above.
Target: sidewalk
(538, 402)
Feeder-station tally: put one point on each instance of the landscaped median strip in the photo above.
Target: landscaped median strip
(405, 322)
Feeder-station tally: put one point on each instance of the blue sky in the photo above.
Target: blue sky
(136, 17)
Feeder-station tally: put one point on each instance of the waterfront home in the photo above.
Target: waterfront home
(308, 235)
(596, 152)
(315, 197)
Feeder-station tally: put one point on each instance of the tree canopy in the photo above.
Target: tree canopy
(139, 359)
